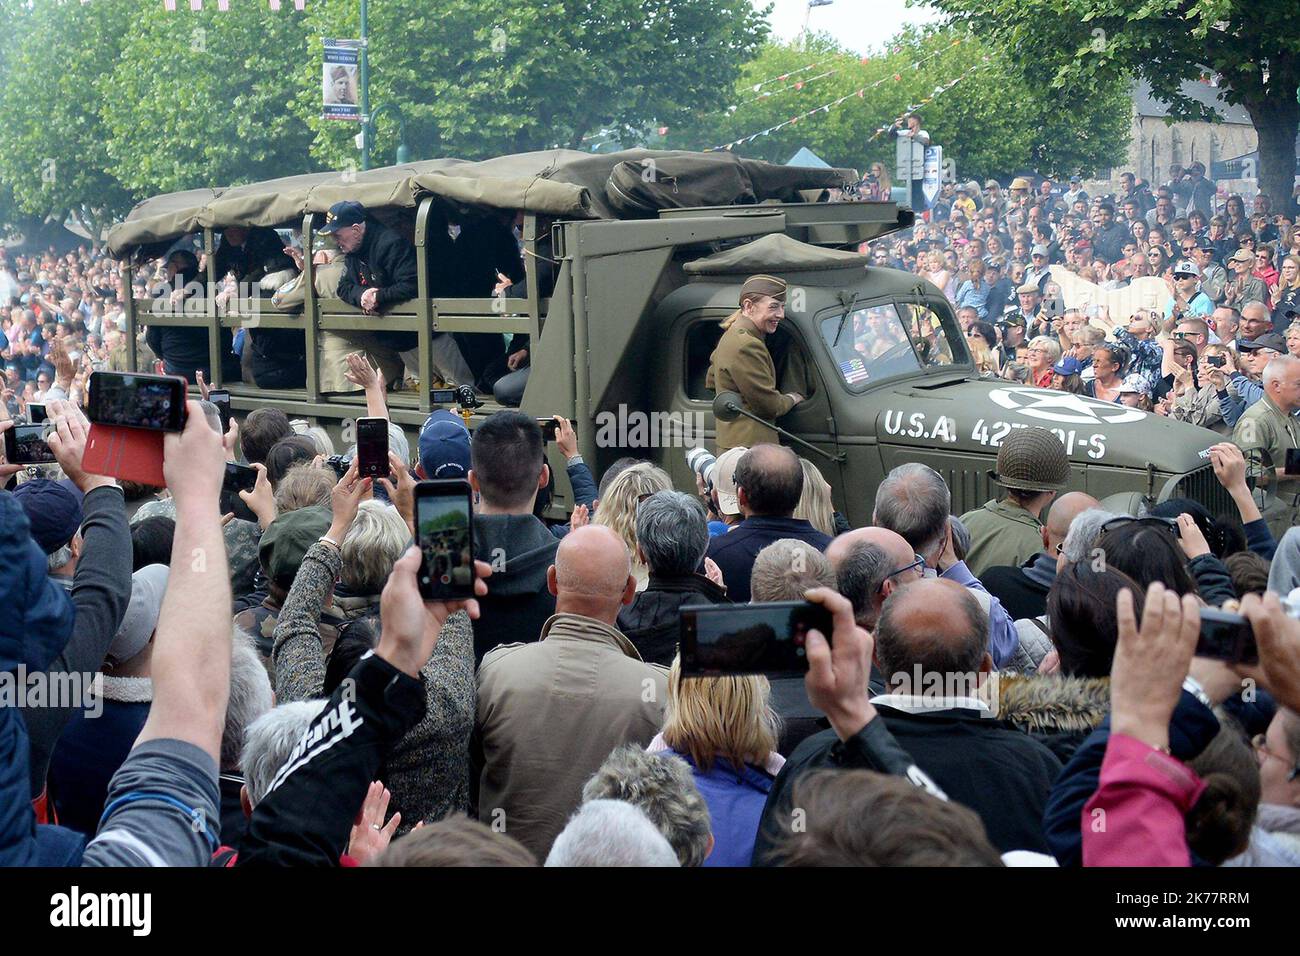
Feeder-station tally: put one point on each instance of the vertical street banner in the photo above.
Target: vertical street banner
(338, 80)
(932, 180)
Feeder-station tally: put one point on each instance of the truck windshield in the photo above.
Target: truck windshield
(885, 341)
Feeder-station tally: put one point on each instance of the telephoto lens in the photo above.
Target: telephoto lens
(700, 461)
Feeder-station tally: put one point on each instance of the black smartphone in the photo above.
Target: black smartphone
(550, 427)
(134, 400)
(1218, 361)
(1226, 637)
(444, 532)
(238, 478)
(443, 396)
(36, 413)
(220, 397)
(1292, 461)
(722, 639)
(372, 447)
(25, 445)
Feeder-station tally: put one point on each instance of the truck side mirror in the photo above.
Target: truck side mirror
(726, 406)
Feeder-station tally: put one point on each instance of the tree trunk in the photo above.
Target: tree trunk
(1277, 120)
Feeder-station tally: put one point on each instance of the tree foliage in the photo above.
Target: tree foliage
(990, 123)
(202, 98)
(477, 78)
(53, 142)
(1078, 46)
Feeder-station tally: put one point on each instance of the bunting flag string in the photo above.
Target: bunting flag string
(860, 94)
(224, 5)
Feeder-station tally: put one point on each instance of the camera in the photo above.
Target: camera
(340, 464)
(700, 461)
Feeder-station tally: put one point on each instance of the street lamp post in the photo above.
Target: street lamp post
(365, 86)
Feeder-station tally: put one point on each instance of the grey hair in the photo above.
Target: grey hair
(610, 833)
(213, 415)
(914, 501)
(785, 569)
(672, 531)
(664, 788)
(270, 740)
(322, 439)
(59, 558)
(1083, 533)
(250, 697)
(377, 538)
(860, 576)
(1277, 367)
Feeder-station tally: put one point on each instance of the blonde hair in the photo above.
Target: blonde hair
(302, 486)
(728, 718)
(815, 502)
(373, 544)
(1295, 261)
(617, 509)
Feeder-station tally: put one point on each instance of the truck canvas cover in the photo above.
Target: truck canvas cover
(565, 183)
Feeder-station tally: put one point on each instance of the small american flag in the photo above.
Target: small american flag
(854, 371)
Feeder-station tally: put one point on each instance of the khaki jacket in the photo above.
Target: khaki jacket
(549, 713)
(1001, 534)
(1264, 425)
(741, 363)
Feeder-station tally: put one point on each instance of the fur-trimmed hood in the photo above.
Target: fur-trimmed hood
(1050, 703)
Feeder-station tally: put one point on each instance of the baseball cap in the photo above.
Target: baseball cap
(1134, 385)
(1068, 365)
(1185, 268)
(1076, 178)
(53, 511)
(723, 478)
(1032, 459)
(444, 445)
(1205, 242)
(138, 624)
(1269, 340)
(1242, 255)
(1038, 250)
(1014, 318)
(342, 214)
(286, 539)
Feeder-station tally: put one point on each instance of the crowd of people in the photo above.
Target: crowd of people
(1229, 302)
(269, 686)
(272, 688)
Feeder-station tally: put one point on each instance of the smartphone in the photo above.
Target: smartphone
(238, 478)
(1292, 466)
(1218, 361)
(444, 532)
(136, 400)
(25, 445)
(36, 412)
(443, 396)
(372, 447)
(220, 397)
(718, 640)
(550, 427)
(1226, 637)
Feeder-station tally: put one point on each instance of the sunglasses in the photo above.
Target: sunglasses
(1151, 521)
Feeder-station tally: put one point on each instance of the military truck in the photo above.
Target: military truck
(650, 250)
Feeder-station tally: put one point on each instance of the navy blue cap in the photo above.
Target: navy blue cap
(341, 215)
(54, 512)
(1068, 365)
(444, 445)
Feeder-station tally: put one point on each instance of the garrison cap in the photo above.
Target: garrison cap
(763, 285)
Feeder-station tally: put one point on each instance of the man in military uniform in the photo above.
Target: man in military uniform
(742, 363)
(1270, 425)
(1032, 466)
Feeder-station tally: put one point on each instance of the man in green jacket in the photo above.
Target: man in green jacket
(742, 363)
(1032, 468)
(1270, 425)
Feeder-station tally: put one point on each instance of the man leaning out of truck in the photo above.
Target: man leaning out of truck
(742, 363)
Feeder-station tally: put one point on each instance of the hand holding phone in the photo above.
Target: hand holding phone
(444, 532)
(136, 400)
(25, 444)
(724, 640)
(372, 447)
